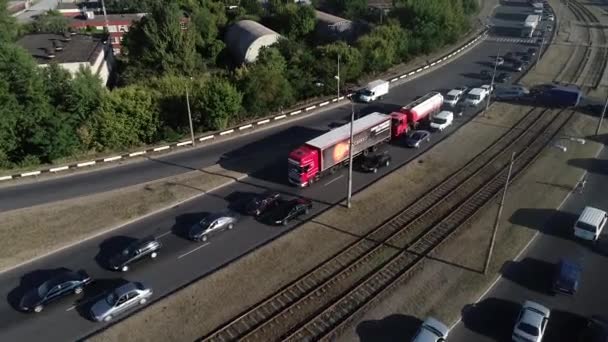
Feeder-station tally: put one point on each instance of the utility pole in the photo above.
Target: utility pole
(338, 77)
(105, 17)
(350, 155)
(498, 214)
(599, 124)
(492, 82)
(190, 114)
(542, 44)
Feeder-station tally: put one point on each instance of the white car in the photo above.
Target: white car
(489, 88)
(442, 120)
(550, 17)
(452, 97)
(431, 330)
(475, 97)
(531, 322)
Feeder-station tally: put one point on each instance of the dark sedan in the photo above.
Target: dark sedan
(136, 251)
(289, 210)
(417, 137)
(262, 203)
(371, 163)
(63, 284)
(503, 77)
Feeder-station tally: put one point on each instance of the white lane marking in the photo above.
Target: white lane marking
(194, 250)
(184, 143)
(161, 148)
(89, 163)
(333, 180)
(28, 174)
(136, 153)
(164, 234)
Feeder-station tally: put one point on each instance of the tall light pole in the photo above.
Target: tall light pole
(189, 113)
(540, 51)
(497, 220)
(350, 155)
(492, 82)
(599, 124)
(338, 78)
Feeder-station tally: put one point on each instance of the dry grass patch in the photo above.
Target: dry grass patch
(231, 290)
(31, 232)
(452, 278)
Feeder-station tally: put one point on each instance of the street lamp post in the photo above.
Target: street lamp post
(540, 51)
(599, 124)
(492, 82)
(350, 155)
(190, 114)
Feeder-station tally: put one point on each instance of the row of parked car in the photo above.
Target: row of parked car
(269, 207)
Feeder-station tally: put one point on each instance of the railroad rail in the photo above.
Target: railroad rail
(393, 231)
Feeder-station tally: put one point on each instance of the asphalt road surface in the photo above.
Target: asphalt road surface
(493, 318)
(262, 155)
(40, 7)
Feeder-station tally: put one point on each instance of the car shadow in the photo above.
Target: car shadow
(492, 317)
(184, 222)
(564, 326)
(548, 221)
(110, 247)
(396, 327)
(30, 281)
(593, 165)
(95, 291)
(530, 273)
(237, 200)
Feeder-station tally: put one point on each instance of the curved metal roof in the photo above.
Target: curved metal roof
(246, 37)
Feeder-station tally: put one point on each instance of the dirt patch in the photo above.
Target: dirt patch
(452, 277)
(31, 232)
(289, 256)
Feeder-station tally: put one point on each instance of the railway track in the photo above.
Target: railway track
(592, 72)
(274, 318)
(573, 70)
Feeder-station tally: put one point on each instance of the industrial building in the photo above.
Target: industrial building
(245, 39)
(331, 27)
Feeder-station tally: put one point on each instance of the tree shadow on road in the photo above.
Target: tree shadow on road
(395, 328)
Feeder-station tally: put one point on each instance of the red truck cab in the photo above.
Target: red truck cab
(399, 126)
(302, 165)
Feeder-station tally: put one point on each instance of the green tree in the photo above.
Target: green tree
(264, 85)
(296, 21)
(351, 63)
(127, 117)
(50, 22)
(353, 9)
(8, 26)
(84, 95)
(216, 103)
(302, 68)
(9, 112)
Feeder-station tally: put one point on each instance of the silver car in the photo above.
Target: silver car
(212, 224)
(120, 300)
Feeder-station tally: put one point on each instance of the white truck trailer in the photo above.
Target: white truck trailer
(530, 25)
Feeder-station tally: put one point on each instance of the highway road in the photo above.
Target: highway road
(262, 155)
(248, 153)
(493, 317)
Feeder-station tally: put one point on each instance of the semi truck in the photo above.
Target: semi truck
(330, 151)
(530, 25)
(421, 109)
(373, 91)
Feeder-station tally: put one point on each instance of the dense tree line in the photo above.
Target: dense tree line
(47, 114)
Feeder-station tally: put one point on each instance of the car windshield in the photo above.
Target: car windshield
(474, 97)
(417, 135)
(450, 97)
(111, 299)
(528, 329)
(43, 289)
(433, 330)
(585, 226)
(439, 120)
(366, 92)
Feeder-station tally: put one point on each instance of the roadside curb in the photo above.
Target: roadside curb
(231, 180)
(254, 125)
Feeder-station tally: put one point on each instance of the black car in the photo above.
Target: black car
(526, 58)
(262, 203)
(289, 210)
(503, 77)
(135, 251)
(509, 56)
(532, 51)
(371, 163)
(485, 75)
(65, 283)
(567, 277)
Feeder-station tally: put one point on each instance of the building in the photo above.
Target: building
(246, 37)
(118, 25)
(71, 51)
(333, 27)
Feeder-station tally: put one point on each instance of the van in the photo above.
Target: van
(475, 97)
(567, 277)
(442, 120)
(590, 224)
(373, 91)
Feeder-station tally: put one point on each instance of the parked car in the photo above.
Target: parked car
(499, 61)
(596, 330)
(452, 97)
(509, 56)
(371, 163)
(431, 330)
(442, 120)
(549, 28)
(590, 224)
(119, 300)
(136, 251)
(550, 17)
(262, 203)
(475, 96)
(61, 285)
(485, 75)
(531, 323)
(212, 224)
(525, 58)
(518, 66)
(567, 277)
(289, 210)
(511, 93)
(532, 51)
(488, 88)
(415, 138)
(463, 89)
(503, 77)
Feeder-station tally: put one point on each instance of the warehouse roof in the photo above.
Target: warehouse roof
(246, 37)
(66, 49)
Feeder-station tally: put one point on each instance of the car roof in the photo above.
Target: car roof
(437, 324)
(536, 306)
(444, 114)
(128, 287)
(455, 92)
(477, 91)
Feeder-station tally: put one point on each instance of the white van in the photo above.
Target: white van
(442, 120)
(452, 97)
(374, 90)
(590, 224)
(475, 97)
